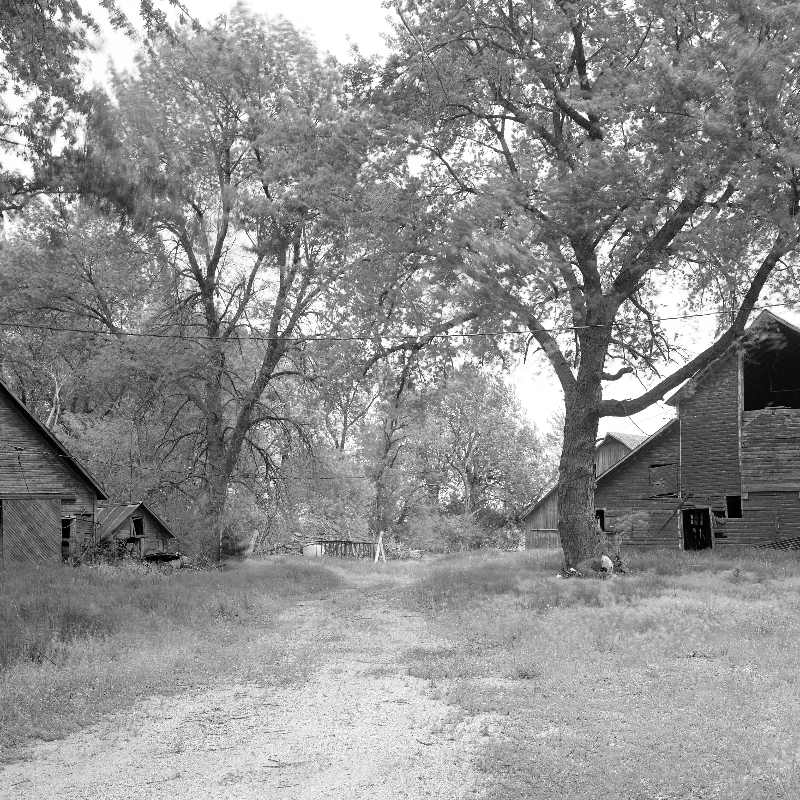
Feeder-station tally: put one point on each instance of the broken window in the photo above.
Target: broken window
(664, 478)
(771, 371)
(733, 506)
(138, 526)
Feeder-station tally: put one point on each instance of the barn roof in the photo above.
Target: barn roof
(112, 518)
(639, 442)
(630, 440)
(52, 440)
(641, 447)
(764, 320)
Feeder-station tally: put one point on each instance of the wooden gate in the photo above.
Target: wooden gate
(30, 531)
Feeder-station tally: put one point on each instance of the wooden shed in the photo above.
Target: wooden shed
(48, 500)
(136, 527)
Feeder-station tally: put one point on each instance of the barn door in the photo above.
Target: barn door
(32, 531)
(696, 528)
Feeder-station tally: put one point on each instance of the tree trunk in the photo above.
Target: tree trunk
(216, 488)
(577, 526)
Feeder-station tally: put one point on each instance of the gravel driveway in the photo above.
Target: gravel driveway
(359, 728)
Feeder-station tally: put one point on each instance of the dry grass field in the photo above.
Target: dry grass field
(678, 680)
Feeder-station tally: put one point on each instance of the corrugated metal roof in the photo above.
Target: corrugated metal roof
(112, 518)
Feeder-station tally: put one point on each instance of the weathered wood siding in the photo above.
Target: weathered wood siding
(609, 453)
(709, 422)
(541, 525)
(766, 517)
(30, 467)
(632, 505)
(345, 549)
(31, 531)
(771, 450)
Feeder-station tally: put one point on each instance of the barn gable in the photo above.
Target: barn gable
(47, 498)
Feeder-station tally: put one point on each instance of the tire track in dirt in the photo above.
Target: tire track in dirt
(359, 729)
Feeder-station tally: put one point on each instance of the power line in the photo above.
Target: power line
(332, 338)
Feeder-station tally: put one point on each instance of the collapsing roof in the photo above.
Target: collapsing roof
(112, 518)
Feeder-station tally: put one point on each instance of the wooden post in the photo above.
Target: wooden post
(380, 553)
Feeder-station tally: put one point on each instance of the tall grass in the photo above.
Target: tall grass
(674, 681)
(79, 642)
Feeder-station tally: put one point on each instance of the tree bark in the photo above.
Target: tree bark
(580, 537)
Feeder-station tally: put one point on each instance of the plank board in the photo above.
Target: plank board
(31, 531)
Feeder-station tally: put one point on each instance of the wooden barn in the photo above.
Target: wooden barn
(540, 522)
(726, 470)
(48, 501)
(136, 527)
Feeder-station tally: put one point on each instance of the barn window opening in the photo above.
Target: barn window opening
(66, 535)
(600, 515)
(771, 371)
(733, 506)
(138, 526)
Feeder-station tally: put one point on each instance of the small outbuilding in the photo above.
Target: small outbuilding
(136, 527)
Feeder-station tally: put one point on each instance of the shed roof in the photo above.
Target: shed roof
(630, 440)
(45, 432)
(112, 518)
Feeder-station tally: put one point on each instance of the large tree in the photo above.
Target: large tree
(600, 150)
(236, 147)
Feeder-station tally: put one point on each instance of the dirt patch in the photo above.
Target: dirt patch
(359, 727)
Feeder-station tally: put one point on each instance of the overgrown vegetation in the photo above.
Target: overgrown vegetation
(675, 681)
(77, 643)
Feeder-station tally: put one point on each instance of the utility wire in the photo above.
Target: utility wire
(331, 338)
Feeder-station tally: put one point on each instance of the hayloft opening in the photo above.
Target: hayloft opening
(733, 506)
(771, 370)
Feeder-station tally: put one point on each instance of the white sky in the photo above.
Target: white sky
(334, 26)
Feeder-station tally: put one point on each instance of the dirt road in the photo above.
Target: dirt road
(359, 728)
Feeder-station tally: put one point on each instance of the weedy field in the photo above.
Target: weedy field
(679, 680)
(676, 681)
(76, 644)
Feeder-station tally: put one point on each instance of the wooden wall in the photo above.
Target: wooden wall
(709, 422)
(29, 465)
(609, 453)
(771, 450)
(632, 505)
(541, 525)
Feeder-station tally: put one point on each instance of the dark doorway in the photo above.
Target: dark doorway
(66, 533)
(696, 529)
(600, 515)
